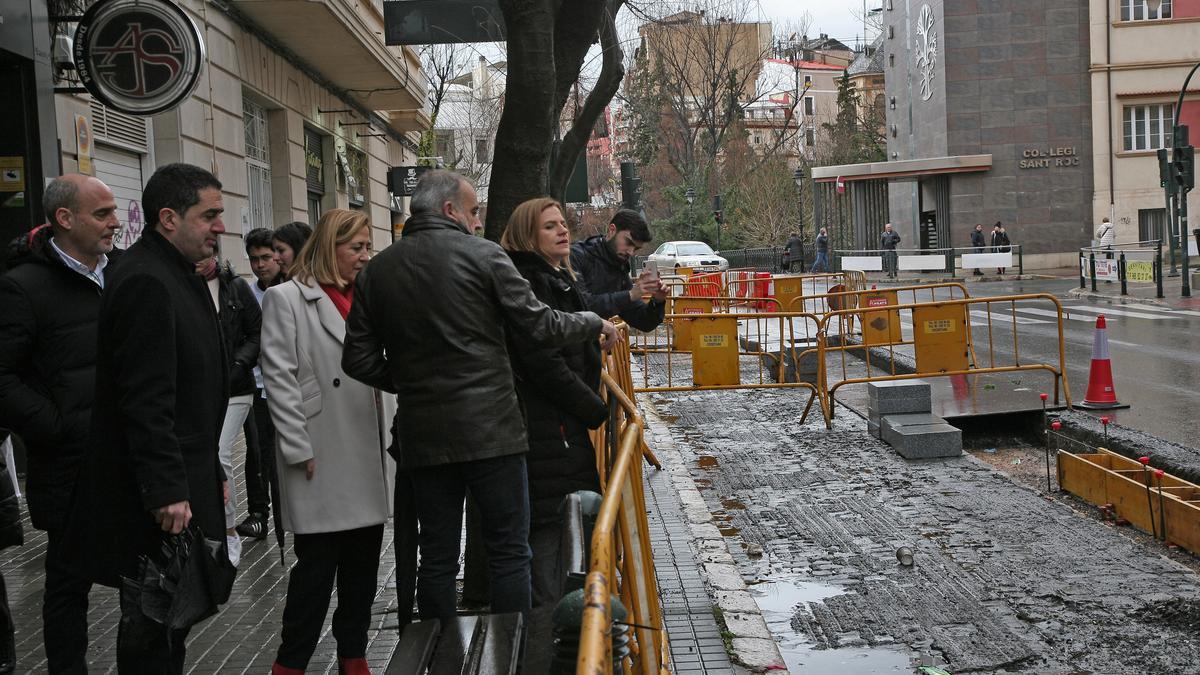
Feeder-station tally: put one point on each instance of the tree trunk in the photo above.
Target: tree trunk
(612, 71)
(521, 160)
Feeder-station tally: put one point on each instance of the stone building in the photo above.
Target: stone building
(300, 108)
(1140, 55)
(988, 119)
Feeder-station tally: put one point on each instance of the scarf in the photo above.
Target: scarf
(342, 298)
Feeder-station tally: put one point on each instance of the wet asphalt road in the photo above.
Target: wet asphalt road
(1155, 352)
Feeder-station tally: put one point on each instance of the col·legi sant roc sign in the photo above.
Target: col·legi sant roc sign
(138, 56)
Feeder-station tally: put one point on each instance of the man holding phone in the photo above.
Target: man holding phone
(602, 266)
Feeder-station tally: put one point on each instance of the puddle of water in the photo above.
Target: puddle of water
(778, 601)
(847, 661)
(781, 597)
(707, 462)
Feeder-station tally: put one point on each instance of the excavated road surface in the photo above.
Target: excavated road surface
(1004, 578)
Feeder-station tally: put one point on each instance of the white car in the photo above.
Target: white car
(697, 255)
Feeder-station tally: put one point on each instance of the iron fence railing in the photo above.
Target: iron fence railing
(1134, 261)
(951, 263)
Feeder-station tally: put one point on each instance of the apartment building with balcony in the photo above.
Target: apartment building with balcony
(1140, 54)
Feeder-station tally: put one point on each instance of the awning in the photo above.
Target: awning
(341, 44)
(905, 168)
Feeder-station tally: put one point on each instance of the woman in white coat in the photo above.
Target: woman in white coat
(332, 436)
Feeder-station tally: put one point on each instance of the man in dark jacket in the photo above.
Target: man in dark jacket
(601, 264)
(241, 320)
(794, 250)
(888, 241)
(977, 244)
(445, 355)
(49, 303)
(259, 430)
(162, 381)
(821, 264)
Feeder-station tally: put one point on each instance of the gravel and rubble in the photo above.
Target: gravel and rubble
(1005, 578)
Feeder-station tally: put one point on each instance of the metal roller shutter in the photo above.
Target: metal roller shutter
(121, 170)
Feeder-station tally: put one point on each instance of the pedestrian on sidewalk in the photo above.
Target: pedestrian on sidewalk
(152, 467)
(977, 243)
(1000, 242)
(333, 432)
(258, 429)
(446, 356)
(287, 241)
(240, 318)
(558, 388)
(794, 253)
(49, 305)
(888, 241)
(821, 264)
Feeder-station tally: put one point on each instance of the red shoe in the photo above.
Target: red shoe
(358, 666)
(277, 669)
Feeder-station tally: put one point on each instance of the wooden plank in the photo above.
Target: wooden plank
(1080, 477)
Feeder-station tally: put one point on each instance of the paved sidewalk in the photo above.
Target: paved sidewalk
(244, 636)
(241, 639)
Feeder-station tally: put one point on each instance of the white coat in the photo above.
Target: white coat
(322, 413)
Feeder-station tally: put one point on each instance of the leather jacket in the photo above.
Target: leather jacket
(428, 323)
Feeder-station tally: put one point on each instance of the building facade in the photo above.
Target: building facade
(1140, 56)
(300, 108)
(988, 119)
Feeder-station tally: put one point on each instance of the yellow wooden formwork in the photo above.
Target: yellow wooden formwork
(1106, 478)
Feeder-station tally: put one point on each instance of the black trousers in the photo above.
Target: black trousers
(404, 526)
(64, 612)
(145, 647)
(260, 456)
(351, 559)
(8, 644)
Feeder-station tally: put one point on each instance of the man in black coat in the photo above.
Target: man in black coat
(49, 304)
(888, 240)
(977, 243)
(161, 388)
(445, 356)
(601, 264)
(794, 250)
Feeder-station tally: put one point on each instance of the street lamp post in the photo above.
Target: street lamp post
(798, 178)
(690, 196)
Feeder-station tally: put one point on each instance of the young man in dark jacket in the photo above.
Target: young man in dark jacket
(49, 304)
(241, 320)
(602, 265)
(259, 430)
(162, 381)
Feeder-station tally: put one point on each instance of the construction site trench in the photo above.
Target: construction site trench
(1005, 576)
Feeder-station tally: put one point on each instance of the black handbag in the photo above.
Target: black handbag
(186, 582)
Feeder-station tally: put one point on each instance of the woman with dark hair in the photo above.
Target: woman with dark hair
(558, 387)
(287, 241)
(332, 434)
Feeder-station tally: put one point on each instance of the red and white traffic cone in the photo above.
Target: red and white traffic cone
(1101, 392)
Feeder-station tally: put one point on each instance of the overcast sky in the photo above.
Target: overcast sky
(840, 19)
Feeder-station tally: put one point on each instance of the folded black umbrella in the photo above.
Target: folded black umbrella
(187, 581)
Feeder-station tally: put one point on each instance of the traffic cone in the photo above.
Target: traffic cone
(1101, 392)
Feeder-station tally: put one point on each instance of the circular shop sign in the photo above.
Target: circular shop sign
(138, 56)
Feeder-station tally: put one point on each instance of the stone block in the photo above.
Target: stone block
(925, 441)
(898, 396)
(873, 429)
(889, 422)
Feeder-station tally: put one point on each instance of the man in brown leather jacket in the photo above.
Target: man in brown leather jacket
(427, 322)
